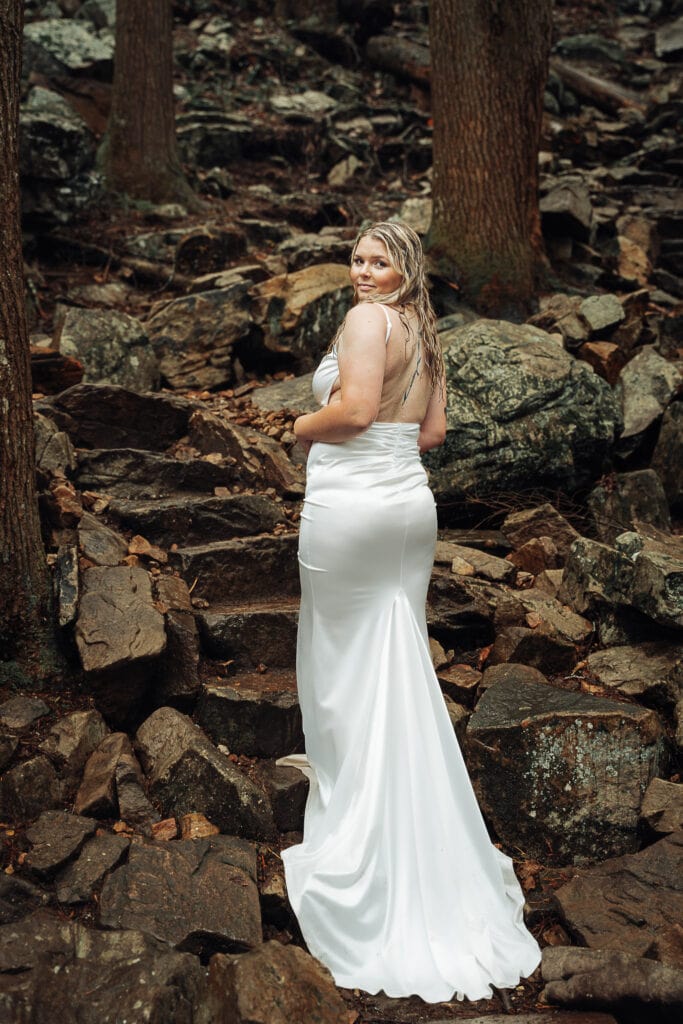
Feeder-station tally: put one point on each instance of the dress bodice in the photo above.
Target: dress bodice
(327, 374)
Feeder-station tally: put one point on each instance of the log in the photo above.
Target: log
(52, 372)
(604, 95)
(403, 58)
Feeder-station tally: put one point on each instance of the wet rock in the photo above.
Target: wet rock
(112, 347)
(194, 894)
(98, 857)
(197, 519)
(667, 458)
(295, 395)
(112, 976)
(287, 789)
(56, 838)
(300, 312)
(631, 903)
(523, 413)
(542, 521)
(54, 451)
(18, 713)
(252, 635)
(651, 672)
(194, 337)
(131, 473)
(244, 568)
(99, 543)
(645, 387)
(561, 774)
(626, 498)
(602, 313)
(638, 988)
(28, 788)
(71, 741)
(18, 898)
(274, 984)
(117, 621)
(256, 723)
(110, 416)
(187, 773)
(567, 211)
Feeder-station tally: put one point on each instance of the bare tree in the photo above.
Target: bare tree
(139, 152)
(28, 646)
(489, 68)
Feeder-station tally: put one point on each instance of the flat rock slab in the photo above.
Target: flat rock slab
(99, 543)
(262, 724)
(561, 774)
(117, 620)
(190, 893)
(188, 773)
(633, 903)
(651, 672)
(133, 473)
(244, 569)
(55, 970)
(274, 984)
(99, 856)
(198, 519)
(18, 713)
(263, 633)
(56, 837)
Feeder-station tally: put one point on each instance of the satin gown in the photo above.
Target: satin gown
(396, 885)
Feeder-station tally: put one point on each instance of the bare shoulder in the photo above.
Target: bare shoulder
(366, 316)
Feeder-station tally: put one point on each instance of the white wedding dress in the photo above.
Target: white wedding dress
(396, 885)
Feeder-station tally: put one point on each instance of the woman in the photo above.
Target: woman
(396, 885)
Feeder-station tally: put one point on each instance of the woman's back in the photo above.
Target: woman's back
(407, 386)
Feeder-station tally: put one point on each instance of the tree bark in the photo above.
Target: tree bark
(28, 646)
(489, 69)
(139, 152)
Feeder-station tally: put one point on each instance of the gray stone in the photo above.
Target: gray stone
(71, 741)
(541, 521)
(560, 313)
(645, 387)
(522, 414)
(262, 633)
(625, 499)
(18, 898)
(245, 568)
(97, 858)
(67, 584)
(131, 473)
(307, 249)
(194, 894)
(19, 712)
(8, 744)
(55, 142)
(483, 564)
(541, 647)
(667, 458)
(99, 543)
(657, 583)
(602, 313)
(595, 576)
(287, 788)
(294, 394)
(274, 984)
(187, 773)
(661, 811)
(561, 774)
(669, 40)
(109, 769)
(112, 347)
(56, 47)
(636, 987)
(567, 210)
(652, 672)
(54, 451)
(257, 723)
(28, 788)
(198, 519)
(632, 903)
(117, 621)
(56, 838)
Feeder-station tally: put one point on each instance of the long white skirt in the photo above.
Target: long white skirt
(396, 885)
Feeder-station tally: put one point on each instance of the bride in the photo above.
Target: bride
(396, 885)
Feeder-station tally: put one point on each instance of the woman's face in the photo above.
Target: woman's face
(371, 272)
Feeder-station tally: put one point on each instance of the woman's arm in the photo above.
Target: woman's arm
(362, 359)
(433, 426)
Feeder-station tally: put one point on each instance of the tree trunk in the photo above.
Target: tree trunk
(28, 647)
(489, 69)
(139, 152)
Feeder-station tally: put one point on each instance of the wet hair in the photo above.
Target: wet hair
(406, 256)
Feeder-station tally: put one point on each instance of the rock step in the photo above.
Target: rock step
(198, 519)
(256, 714)
(134, 473)
(258, 633)
(244, 569)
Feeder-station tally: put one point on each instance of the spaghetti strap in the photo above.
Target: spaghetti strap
(386, 313)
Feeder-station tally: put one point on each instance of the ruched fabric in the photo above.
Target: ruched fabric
(396, 885)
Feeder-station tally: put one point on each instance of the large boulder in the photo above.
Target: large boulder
(112, 347)
(55, 143)
(53, 46)
(562, 774)
(522, 413)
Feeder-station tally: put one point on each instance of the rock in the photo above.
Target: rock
(197, 519)
(667, 458)
(631, 903)
(71, 741)
(567, 210)
(56, 144)
(196, 826)
(194, 337)
(67, 584)
(97, 858)
(523, 413)
(54, 451)
(651, 672)
(536, 555)
(194, 894)
(130, 473)
(245, 568)
(179, 673)
(669, 40)
(595, 576)
(626, 498)
(208, 248)
(311, 103)
(633, 265)
(274, 984)
(100, 544)
(661, 811)
(460, 611)
(656, 586)
(542, 521)
(306, 249)
(56, 838)
(110, 416)
(342, 172)
(549, 582)
(638, 988)
(512, 674)
(560, 313)
(602, 313)
(300, 312)
(459, 682)
(18, 898)
(606, 359)
(56, 47)
(481, 562)
(112, 346)
(187, 773)
(112, 976)
(19, 712)
(251, 722)
(539, 647)
(8, 744)
(256, 634)
(117, 621)
(287, 788)
(645, 386)
(113, 772)
(27, 789)
(416, 212)
(294, 394)
(560, 774)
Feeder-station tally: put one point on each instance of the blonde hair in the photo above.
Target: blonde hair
(404, 250)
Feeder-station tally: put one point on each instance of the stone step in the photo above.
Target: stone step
(253, 713)
(134, 473)
(261, 632)
(198, 519)
(241, 570)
